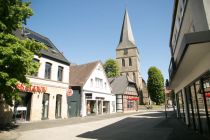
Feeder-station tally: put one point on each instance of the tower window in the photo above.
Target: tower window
(134, 77)
(123, 62)
(125, 51)
(130, 62)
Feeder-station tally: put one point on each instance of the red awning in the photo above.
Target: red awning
(207, 94)
(133, 98)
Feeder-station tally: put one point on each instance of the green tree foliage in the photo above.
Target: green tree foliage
(111, 68)
(155, 85)
(16, 56)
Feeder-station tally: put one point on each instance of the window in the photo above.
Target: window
(60, 73)
(123, 62)
(130, 62)
(125, 51)
(58, 106)
(35, 74)
(130, 104)
(48, 68)
(105, 85)
(91, 82)
(99, 83)
(134, 77)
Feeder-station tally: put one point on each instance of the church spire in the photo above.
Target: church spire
(126, 32)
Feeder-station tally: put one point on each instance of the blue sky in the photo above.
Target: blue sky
(89, 30)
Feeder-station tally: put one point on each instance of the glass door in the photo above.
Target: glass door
(58, 106)
(45, 106)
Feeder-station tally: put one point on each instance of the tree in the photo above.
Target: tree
(16, 55)
(111, 68)
(155, 85)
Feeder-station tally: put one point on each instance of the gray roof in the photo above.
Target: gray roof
(52, 52)
(126, 37)
(120, 83)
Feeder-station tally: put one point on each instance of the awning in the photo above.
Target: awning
(207, 94)
(134, 98)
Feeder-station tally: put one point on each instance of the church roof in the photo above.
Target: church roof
(79, 74)
(126, 37)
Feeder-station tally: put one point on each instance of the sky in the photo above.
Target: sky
(89, 30)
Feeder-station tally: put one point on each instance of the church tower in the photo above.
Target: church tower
(127, 54)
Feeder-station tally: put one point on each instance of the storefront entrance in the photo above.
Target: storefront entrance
(45, 106)
(91, 107)
(106, 108)
(23, 107)
(58, 106)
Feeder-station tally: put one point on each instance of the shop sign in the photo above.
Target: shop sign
(133, 98)
(208, 94)
(100, 98)
(69, 92)
(32, 88)
(88, 95)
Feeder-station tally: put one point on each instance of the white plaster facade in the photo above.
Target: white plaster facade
(54, 87)
(99, 93)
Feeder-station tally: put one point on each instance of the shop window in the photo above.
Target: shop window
(201, 106)
(181, 105)
(190, 108)
(45, 106)
(130, 104)
(48, 67)
(60, 73)
(58, 106)
(195, 107)
(207, 98)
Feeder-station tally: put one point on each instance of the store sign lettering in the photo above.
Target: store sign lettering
(32, 88)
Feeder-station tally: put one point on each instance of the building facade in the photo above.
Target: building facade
(189, 66)
(127, 56)
(93, 89)
(126, 93)
(46, 97)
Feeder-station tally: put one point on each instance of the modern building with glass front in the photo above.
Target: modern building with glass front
(189, 68)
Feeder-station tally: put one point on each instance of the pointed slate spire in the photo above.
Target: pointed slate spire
(126, 32)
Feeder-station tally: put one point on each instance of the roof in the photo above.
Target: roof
(52, 52)
(120, 83)
(126, 37)
(79, 74)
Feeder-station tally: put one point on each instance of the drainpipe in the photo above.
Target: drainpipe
(83, 105)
